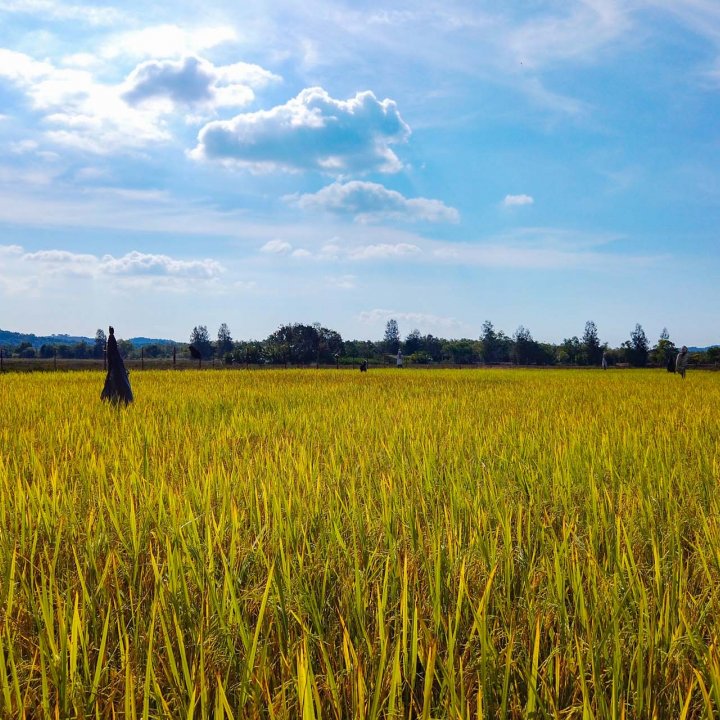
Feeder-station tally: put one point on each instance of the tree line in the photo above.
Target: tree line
(300, 344)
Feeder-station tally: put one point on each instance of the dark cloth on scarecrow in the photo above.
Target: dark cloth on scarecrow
(117, 383)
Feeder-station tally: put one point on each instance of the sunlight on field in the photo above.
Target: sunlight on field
(305, 544)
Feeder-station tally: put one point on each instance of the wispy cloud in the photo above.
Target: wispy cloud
(372, 202)
(276, 247)
(383, 251)
(313, 131)
(343, 282)
(51, 10)
(426, 322)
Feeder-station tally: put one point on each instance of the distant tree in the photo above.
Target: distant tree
(664, 349)
(712, 354)
(224, 343)
(303, 344)
(568, 352)
(99, 346)
(47, 351)
(330, 344)
(525, 351)
(462, 352)
(546, 354)
(490, 344)
(391, 339)
(413, 342)
(200, 340)
(248, 352)
(126, 348)
(81, 350)
(592, 348)
(25, 350)
(636, 349)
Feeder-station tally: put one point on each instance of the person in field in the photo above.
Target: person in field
(681, 362)
(604, 361)
(399, 359)
(117, 383)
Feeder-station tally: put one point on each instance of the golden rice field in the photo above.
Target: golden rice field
(331, 544)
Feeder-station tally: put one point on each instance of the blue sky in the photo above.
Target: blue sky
(165, 165)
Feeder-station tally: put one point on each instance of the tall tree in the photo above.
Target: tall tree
(99, 346)
(200, 340)
(489, 340)
(224, 343)
(591, 344)
(392, 336)
(664, 351)
(525, 349)
(636, 349)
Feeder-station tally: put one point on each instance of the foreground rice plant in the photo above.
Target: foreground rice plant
(302, 544)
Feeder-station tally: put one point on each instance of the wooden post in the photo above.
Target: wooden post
(142, 358)
(174, 350)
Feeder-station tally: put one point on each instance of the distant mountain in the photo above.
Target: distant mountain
(7, 337)
(142, 341)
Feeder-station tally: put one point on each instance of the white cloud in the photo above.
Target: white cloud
(276, 247)
(132, 264)
(89, 115)
(82, 113)
(301, 253)
(313, 131)
(167, 41)
(194, 81)
(511, 200)
(137, 263)
(372, 202)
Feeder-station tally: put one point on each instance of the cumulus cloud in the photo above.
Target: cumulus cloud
(371, 202)
(194, 81)
(313, 131)
(511, 200)
(87, 114)
(137, 263)
(131, 265)
(102, 118)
